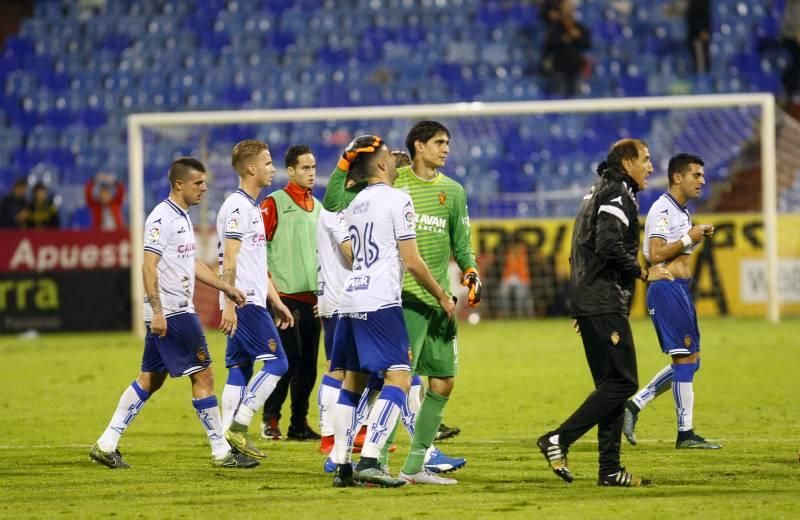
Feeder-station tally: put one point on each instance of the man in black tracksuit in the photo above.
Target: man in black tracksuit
(604, 269)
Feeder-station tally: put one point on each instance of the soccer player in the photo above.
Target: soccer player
(604, 269)
(670, 239)
(290, 221)
(175, 343)
(371, 335)
(444, 232)
(335, 258)
(252, 333)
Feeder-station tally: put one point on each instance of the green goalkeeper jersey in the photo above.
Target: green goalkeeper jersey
(442, 225)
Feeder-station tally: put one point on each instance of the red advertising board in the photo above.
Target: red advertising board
(46, 251)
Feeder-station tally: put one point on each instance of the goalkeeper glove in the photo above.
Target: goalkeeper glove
(471, 280)
(359, 145)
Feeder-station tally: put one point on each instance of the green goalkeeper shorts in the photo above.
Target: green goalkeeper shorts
(434, 350)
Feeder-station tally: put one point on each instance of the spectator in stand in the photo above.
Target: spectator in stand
(790, 39)
(104, 196)
(14, 206)
(42, 211)
(698, 23)
(564, 44)
(515, 285)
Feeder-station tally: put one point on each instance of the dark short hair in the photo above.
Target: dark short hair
(361, 168)
(180, 168)
(424, 132)
(680, 164)
(293, 154)
(20, 181)
(623, 149)
(38, 186)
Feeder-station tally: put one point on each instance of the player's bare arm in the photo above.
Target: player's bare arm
(670, 255)
(158, 325)
(284, 318)
(229, 320)
(206, 276)
(409, 253)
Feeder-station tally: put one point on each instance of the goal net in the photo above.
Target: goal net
(525, 167)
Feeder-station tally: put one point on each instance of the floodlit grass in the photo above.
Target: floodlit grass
(518, 379)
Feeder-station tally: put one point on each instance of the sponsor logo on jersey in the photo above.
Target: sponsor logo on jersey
(359, 283)
(233, 224)
(320, 288)
(431, 223)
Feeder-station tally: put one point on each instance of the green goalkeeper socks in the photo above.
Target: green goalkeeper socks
(428, 421)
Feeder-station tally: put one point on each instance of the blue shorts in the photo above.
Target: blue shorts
(182, 351)
(375, 341)
(672, 310)
(329, 326)
(256, 338)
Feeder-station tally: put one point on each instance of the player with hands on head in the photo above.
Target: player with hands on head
(175, 343)
(371, 334)
(670, 239)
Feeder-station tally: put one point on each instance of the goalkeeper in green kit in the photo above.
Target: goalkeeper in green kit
(443, 232)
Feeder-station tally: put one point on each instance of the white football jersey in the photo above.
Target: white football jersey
(668, 220)
(333, 266)
(378, 218)
(240, 218)
(168, 232)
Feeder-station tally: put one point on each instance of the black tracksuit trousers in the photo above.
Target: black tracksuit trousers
(608, 344)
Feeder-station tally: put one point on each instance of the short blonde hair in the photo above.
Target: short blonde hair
(245, 150)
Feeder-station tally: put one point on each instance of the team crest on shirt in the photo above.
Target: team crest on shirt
(273, 345)
(614, 338)
(687, 340)
(233, 224)
(442, 198)
(201, 355)
(153, 235)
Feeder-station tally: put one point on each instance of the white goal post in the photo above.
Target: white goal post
(764, 101)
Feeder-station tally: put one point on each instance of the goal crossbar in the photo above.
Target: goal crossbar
(765, 101)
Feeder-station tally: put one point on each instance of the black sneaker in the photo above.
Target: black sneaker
(622, 478)
(629, 421)
(271, 430)
(111, 459)
(445, 432)
(302, 434)
(344, 476)
(235, 459)
(370, 473)
(690, 440)
(556, 457)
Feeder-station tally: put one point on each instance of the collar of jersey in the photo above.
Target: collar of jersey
(368, 186)
(436, 178)
(672, 199)
(248, 197)
(175, 207)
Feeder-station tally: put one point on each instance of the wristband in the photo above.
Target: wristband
(686, 240)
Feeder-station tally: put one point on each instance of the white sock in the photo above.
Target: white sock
(364, 407)
(382, 420)
(208, 412)
(259, 389)
(684, 404)
(128, 407)
(411, 409)
(660, 383)
(345, 427)
(232, 396)
(327, 396)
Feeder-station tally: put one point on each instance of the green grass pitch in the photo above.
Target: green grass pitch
(517, 380)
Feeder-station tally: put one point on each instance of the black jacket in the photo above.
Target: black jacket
(605, 245)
